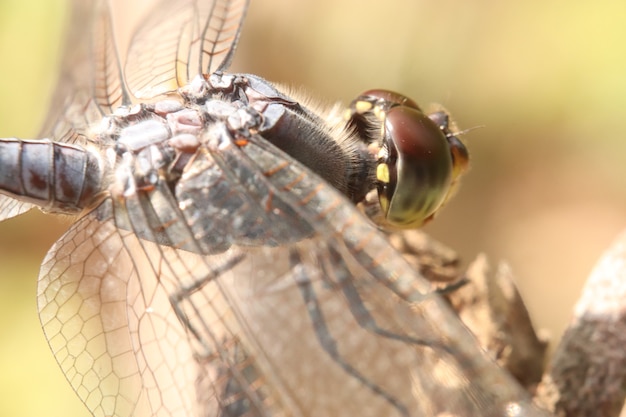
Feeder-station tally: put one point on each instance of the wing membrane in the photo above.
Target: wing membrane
(109, 91)
(395, 347)
(181, 40)
(332, 323)
(111, 326)
(9, 207)
(73, 109)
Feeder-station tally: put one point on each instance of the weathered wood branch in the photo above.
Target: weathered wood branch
(587, 373)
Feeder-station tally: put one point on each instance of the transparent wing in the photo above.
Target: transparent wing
(10, 207)
(71, 110)
(111, 326)
(109, 91)
(180, 40)
(331, 322)
(379, 342)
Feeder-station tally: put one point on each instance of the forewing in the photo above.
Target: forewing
(326, 318)
(73, 108)
(180, 40)
(109, 90)
(338, 322)
(309, 310)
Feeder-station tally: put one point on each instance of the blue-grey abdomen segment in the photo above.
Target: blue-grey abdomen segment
(57, 177)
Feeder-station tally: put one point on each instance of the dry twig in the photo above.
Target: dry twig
(587, 375)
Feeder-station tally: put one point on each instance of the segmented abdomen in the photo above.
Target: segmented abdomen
(58, 177)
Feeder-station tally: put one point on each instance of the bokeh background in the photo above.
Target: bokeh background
(543, 83)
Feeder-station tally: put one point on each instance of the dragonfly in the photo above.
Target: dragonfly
(228, 254)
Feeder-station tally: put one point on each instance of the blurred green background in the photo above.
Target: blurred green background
(544, 81)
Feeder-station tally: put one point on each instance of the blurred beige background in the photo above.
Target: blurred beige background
(545, 80)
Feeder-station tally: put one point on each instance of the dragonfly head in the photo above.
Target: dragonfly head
(419, 158)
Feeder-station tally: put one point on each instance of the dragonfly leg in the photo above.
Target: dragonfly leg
(365, 319)
(325, 338)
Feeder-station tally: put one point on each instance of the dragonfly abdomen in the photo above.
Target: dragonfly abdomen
(57, 177)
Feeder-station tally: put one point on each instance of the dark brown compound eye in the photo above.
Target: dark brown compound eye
(460, 156)
(418, 162)
(415, 167)
(368, 111)
(390, 98)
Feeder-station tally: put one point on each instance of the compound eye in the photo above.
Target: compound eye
(460, 156)
(414, 169)
(389, 98)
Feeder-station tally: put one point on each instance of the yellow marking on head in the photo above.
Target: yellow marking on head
(382, 173)
(362, 106)
(384, 204)
(379, 113)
